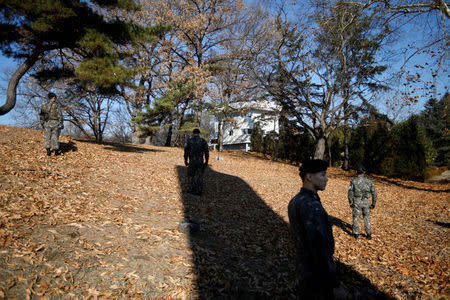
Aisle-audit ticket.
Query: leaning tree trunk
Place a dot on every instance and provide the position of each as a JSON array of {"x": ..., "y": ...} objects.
[
  {"x": 11, "y": 92},
  {"x": 320, "y": 148}
]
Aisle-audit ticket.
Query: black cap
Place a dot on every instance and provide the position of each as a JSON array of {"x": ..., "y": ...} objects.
[
  {"x": 360, "y": 170},
  {"x": 312, "y": 166},
  {"x": 51, "y": 95},
  {"x": 196, "y": 131}
]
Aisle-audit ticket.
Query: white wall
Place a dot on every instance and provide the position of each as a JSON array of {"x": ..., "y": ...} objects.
[{"x": 238, "y": 133}]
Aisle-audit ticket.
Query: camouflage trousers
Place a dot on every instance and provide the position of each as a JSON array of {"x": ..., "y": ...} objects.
[
  {"x": 51, "y": 134},
  {"x": 363, "y": 210},
  {"x": 195, "y": 176}
]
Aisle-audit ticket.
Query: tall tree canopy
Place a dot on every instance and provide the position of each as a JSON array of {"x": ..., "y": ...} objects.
[
  {"x": 72, "y": 38},
  {"x": 322, "y": 75},
  {"x": 190, "y": 53}
]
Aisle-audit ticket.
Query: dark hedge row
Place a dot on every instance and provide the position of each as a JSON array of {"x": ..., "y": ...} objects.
[{"x": 404, "y": 150}]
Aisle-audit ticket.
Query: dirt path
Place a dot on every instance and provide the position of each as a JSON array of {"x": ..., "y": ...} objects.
[{"x": 102, "y": 221}]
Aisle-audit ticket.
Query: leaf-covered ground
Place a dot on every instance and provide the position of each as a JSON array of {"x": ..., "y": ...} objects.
[{"x": 102, "y": 221}]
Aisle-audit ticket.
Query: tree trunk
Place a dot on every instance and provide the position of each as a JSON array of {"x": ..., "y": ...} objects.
[
  {"x": 11, "y": 92},
  {"x": 220, "y": 135},
  {"x": 275, "y": 149},
  {"x": 329, "y": 152},
  {"x": 135, "y": 133},
  {"x": 179, "y": 140},
  {"x": 346, "y": 154},
  {"x": 99, "y": 128},
  {"x": 169, "y": 136},
  {"x": 320, "y": 148}
]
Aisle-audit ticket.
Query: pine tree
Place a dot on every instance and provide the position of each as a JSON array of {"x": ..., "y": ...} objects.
[
  {"x": 71, "y": 39},
  {"x": 164, "y": 109},
  {"x": 256, "y": 138},
  {"x": 435, "y": 119}
]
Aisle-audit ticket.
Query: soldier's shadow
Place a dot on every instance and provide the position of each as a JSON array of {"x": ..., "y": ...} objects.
[
  {"x": 67, "y": 147},
  {"x": 346, "y": 227},
  {"x": 243, "y": 249}
]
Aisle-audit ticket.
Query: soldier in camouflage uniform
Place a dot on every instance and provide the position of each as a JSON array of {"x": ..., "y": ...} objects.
[
  {"x": 196, "y": 148},
  {"x": 313, "y": 237},
  {"x": 52, "y": 121},
  {"x": 358, "y": 197}
]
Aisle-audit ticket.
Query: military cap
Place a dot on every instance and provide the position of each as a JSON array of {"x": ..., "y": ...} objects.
[
  {"x": 196, "y": 131},
  {"x": 360, "y": 170},
  {"x": 312, "y": 166},
  {"x": 51, "y": 95}
]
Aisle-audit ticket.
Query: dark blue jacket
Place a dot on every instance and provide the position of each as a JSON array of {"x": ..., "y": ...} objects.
[{"x": 314, "y": 241}]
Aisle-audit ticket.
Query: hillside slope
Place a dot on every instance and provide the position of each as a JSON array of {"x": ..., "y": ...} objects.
[{"x": 102, "y": 221}]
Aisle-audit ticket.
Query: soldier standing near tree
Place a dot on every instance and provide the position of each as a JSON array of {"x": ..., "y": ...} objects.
[
  {"x": 52, "y": 122},
  {"x": 361, "y": 187},
  {"x": 196, "y": 148}
]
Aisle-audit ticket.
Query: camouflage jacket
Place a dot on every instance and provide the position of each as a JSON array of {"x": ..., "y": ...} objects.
[
  {"x": 195, "y": 148},
  {"x": 313, "y": 239},
  {"x": 360, "y": 190},
  {"x": 51, "y": 111}
]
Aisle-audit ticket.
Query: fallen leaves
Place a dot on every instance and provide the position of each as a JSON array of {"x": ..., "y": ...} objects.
[{"x": 98, "y": 223}]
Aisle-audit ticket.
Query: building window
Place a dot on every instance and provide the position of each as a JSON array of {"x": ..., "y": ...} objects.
[
  {"x": 231, "y": 132},
  {"x": 247, "y": 131},
  {"x": 249, "y": 120}
]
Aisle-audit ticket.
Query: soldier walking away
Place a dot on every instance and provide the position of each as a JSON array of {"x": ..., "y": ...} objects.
[
  {"x": 52, "y": 122},
  {"x": 313, "y": 237},
  {"x": 358, "y": 197},
  {"x": 196, "y": 149}
]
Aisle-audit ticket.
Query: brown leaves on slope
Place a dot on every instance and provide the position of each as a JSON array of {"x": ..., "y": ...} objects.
[{"x": 101, "y": 222}]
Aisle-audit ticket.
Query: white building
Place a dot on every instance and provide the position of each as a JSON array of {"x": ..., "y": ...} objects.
[{"x": 236, "y": 134}]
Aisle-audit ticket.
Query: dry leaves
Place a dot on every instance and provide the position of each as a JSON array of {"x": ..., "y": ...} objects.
[{"x": 101, "y": 222}]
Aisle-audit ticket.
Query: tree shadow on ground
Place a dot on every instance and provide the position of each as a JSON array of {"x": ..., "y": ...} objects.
[
  {"x": 67, "y": 147},
  {"x": 243, "y": 249},
  {"x": 411, "y": 187},
  {"x": 121, "y": 147},
  {"x": 442, "y": 224}
]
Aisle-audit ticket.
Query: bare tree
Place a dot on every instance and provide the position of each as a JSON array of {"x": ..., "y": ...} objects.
[
  {"x": 87, "y": 109},
  {"x": 320, "y": 74}
]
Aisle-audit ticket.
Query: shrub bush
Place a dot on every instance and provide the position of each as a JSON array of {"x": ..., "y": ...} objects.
[{"x": 404, "y": 151}]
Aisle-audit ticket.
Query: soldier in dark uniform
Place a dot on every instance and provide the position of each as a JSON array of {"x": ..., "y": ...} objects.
[
  {"x": 361, "y": 188},
  {"x": 52, "y": 121},
  {"x": 313, "y": 237},
  {"x": 196, "y": 148}
]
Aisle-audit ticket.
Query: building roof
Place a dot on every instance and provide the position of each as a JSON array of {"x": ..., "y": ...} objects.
[{"x": 268, "y": 106}]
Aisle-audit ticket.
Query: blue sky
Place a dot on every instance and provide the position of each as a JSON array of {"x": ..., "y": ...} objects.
[
  {"x": 5, "y": 64},
  {"x": 412, "y": 37}
]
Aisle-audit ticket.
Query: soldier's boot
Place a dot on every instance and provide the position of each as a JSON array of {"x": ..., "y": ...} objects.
[
  {"x": 369, "y": 236},
  {"x": 57, "y": 152},
  {"x": 49, "y": 152}
]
